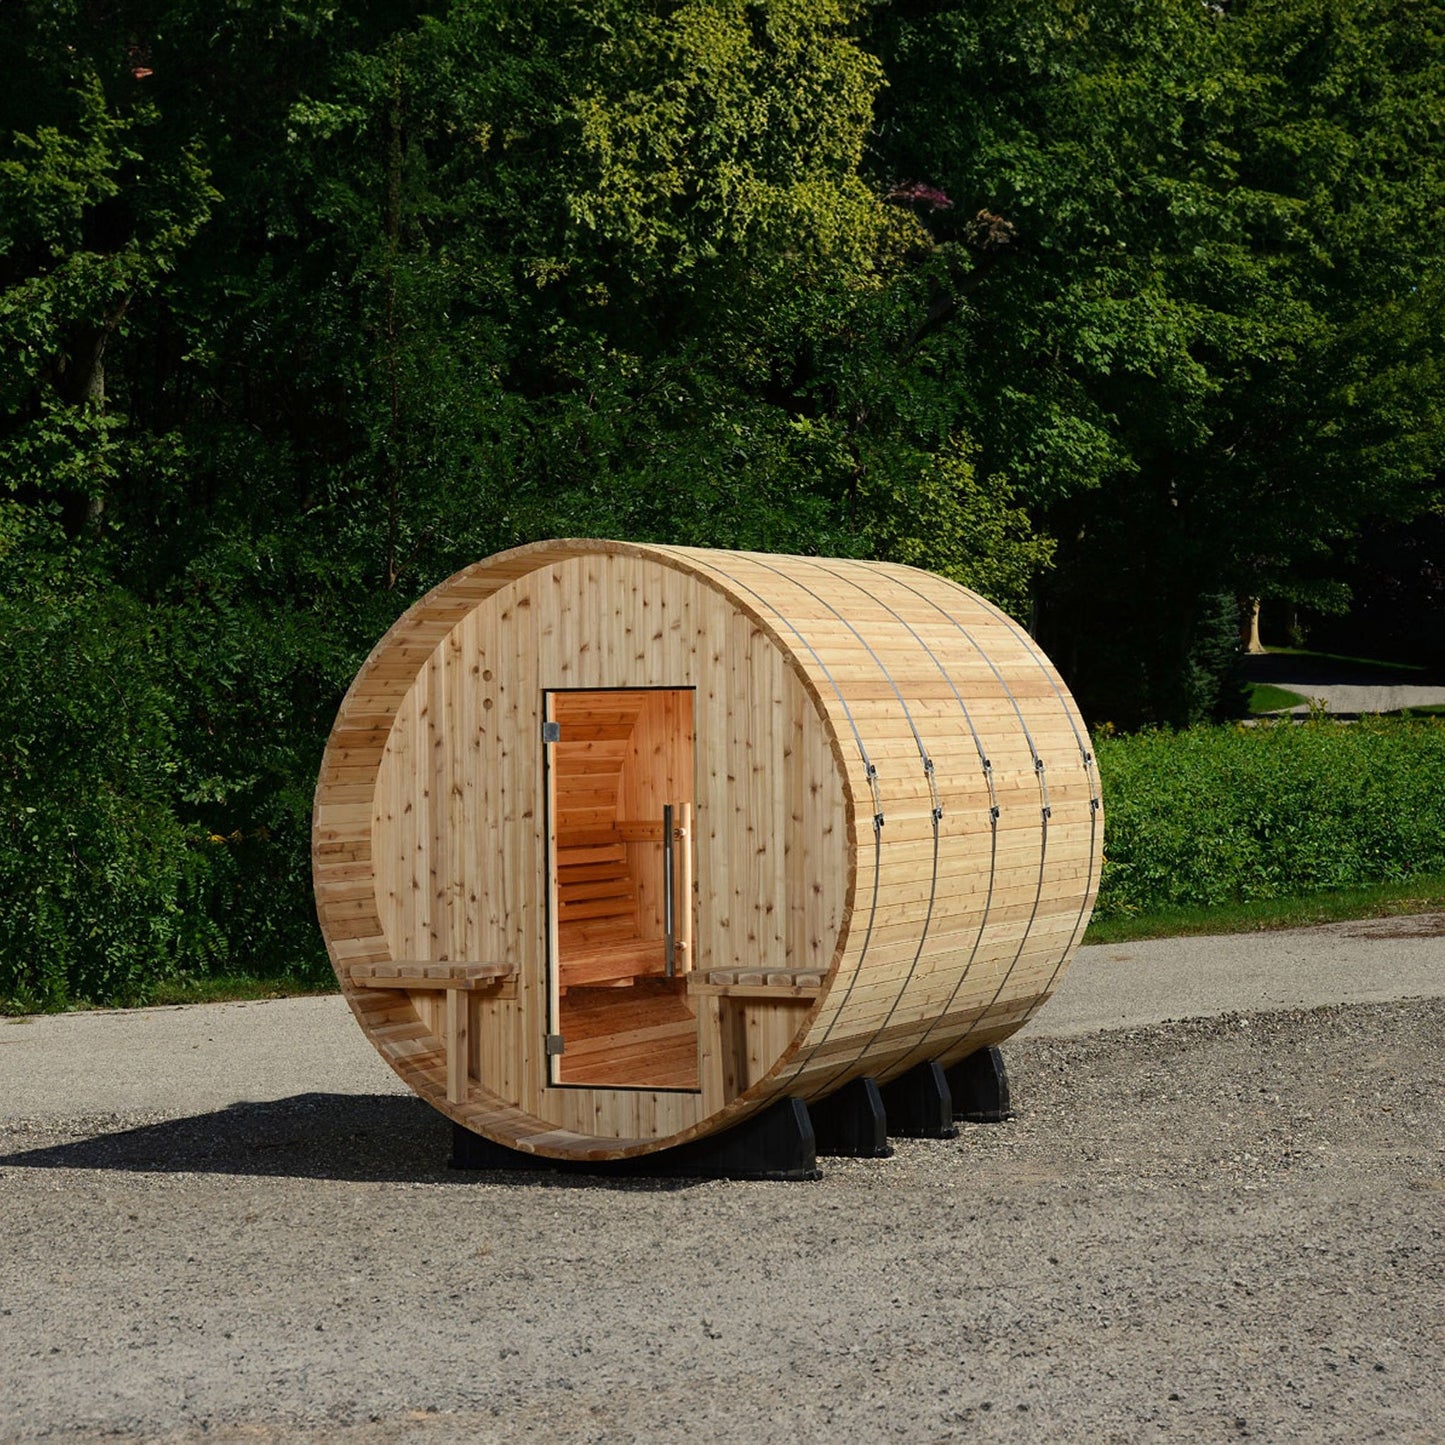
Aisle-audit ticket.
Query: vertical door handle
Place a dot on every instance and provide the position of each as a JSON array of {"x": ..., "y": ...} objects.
[{"x": 669, "y": 911}]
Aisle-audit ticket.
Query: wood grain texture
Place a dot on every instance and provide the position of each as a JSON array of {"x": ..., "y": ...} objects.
[{"x": 894, "y": 836}]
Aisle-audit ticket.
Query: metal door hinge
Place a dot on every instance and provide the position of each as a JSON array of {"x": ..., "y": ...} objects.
[
  {"x": 556, "y": 1044},
  {"x": 551, "y": 732}
]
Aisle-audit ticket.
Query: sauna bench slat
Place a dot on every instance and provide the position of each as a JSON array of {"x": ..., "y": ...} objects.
[
  {"x": 758, "y": 983},
  {"x": 419, "y": 975},
  {"x": 777, "y": 993},
  {"x": 607, "y": 962}
]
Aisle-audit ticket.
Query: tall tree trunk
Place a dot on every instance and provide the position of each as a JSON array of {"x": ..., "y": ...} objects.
[
  {"x": 81, "y": 382},
  {"x": 1249, "y": 626}
]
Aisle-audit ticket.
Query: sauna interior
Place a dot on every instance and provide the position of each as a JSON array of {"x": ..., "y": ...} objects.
[{"x": 620, "y": 767}]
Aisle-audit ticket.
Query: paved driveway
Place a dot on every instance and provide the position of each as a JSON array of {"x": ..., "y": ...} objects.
[{"x": 1345, "y": 689}]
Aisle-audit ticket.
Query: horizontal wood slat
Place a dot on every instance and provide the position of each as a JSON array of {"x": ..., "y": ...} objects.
[{"x": 428, "y": 975}]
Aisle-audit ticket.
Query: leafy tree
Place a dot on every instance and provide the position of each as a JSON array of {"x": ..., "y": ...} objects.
[
  {"x": 301, "y": 308},
  {"x": 1202, "y": 326},
  {"x": 310, "y": 307},
  {"x": 98, "y": 199}
]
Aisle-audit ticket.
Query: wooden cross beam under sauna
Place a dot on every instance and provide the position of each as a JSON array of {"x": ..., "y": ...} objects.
[{"x": 617, "y": 844}]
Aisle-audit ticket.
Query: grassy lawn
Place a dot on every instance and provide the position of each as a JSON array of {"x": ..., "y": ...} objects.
[
  {"x": 1383, "y": 900},
  {"x": 1265, "y": 697},
  {"x": 1340, "y": 657},
  {"x": 231, "y": 987}
]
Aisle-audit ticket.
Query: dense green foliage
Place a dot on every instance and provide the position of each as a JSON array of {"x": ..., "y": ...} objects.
[
  {"x": 1114, "y": 311},
  {"x": 1233, "y": 813},
  {"x": 1212, "y": 309}
]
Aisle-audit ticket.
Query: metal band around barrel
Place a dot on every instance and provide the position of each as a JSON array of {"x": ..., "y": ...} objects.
[
  {"x": 870, "y": 772},
  {"x": 759, "y": 561},
  {"x": 919, "y": 1049},
  {"x": 1091, "y": 779},
  {"x": 937, "y": 811}
]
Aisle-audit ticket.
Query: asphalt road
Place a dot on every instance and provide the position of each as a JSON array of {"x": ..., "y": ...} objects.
[{"x": 1220, "y": 1213}]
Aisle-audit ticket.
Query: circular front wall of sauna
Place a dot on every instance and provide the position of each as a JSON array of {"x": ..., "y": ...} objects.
[{"x": 615, "y": 844}]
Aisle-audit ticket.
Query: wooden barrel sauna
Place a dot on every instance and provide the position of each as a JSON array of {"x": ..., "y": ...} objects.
[{"x": 616, "y": 844}]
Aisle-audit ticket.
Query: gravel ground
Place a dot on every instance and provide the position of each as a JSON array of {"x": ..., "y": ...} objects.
[{"x": 1212, "y": 1229}]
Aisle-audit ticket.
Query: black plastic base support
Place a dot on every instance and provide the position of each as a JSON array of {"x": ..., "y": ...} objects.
[
  {"x": 852, "y": 1123},
  {"x": 776, "y": 1144},
  {"x": 919, "y": 1104},
  {"x": 979, "y": 1085}
]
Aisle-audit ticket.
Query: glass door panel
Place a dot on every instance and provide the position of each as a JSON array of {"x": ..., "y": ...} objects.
[{"x": 620, "y": 794}]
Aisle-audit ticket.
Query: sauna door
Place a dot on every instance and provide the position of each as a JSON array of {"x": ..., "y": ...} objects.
[{"x": 619, "y": 771}]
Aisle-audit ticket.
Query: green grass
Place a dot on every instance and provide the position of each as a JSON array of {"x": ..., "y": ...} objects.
[
  {"x": 1382, "y": 900},
  {"x": 229, "y": 988},
  {"x": 1218, "y": 829},
  {"x": 1340, "y": 657},
  {"x": 226, "y": 988},
  {"x": 167, "y": 993},
  {"x": 1266, "y": 697}
]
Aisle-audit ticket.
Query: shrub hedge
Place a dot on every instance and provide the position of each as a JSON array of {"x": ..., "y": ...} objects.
[
  {"x": 1233, "y": 813},
  {"x": 156, "y": 768}
]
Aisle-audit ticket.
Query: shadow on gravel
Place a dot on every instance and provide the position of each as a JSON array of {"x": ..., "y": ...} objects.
[{"x": 388, "y": 1138}]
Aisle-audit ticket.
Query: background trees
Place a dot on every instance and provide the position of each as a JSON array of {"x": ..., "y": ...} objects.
[
  {"x": 1206, "y": 338},
  {"x": 1116, "y": 311}
]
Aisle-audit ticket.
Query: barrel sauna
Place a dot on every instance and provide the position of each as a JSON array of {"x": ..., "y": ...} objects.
[{"x": 616, "y": 844}]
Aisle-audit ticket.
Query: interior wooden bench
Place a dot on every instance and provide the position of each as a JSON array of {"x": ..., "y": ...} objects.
[{"x": 598, "y": 933}]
